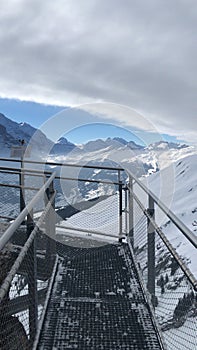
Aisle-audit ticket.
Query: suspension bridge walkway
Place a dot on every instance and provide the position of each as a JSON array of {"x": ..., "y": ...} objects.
[{"x": 92, "y": 274}]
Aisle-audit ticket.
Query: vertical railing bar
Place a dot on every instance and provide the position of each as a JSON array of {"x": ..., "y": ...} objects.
[
  {"x": 120, "y": 211},
  {"x": 50, "y": 227},
  {"x": 22, "y": 184},
  {"x": 151, "y": 250},
  {"x": 126, "y": 209},
  {"x": 131, "y": 212},
  {"x": 32, "y": 281},
  {"x": 119, "y": 176},
  {"x": 120, "y": 205}
]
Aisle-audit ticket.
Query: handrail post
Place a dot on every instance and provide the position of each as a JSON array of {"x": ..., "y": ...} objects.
[
  {"x": 126, "y": 209},
  {"x": 32, "y": 282},
  {"x": 120, "y": 206},
  {"x": 50, "y": 228},
  {"x": 120, "y": 211},
  {"x": 22, "y": 183},
  {"x": 151, "y": 250},
  {"x": 131, "y": 212}
]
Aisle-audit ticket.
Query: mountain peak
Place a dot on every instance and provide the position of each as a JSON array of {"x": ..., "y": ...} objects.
[
  {"x": 64, "y": 141},
  {"x": 62, "y": 146},
  {"x": 118, "y": 139}
]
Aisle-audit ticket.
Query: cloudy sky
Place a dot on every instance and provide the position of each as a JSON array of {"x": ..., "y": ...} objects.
[{"x": 138, "y": 53}]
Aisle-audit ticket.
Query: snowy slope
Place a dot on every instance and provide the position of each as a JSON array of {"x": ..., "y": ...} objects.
[
  {"x": 179, "y": 170},
  {"x": 180, "y": 198},
  {"x": 101, "y": 218}
]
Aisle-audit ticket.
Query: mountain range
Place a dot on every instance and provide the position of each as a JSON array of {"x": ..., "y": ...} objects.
[
  {"x": 141, "y": 160},
  {"x": 11, "y": 132},
  {"x": 111, "y": 151}
]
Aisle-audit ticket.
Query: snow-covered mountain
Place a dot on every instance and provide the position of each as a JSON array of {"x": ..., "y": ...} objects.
[
  {"x": 164, "y": 145},
  {"x": 112, "y": 151},
  {"x": 175, "y": 160},
  {"x": 110, "y": 143},
  {"x": 118, "y": 152},
  {"x": 11, "y": 132},
  {"x": 62, "y": 147}
]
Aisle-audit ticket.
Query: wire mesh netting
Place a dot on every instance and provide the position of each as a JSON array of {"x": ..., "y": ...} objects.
[
  {"x": 175, "y": 302},
  {"x": 22, "y": 298},
  {"x": 80, "y": 215},
  {"x": 27, "y": 262},
  {"x": 17, "y": 190},
  {"x": 9, "y": 196},
  {"x": 32, "y": 183}
]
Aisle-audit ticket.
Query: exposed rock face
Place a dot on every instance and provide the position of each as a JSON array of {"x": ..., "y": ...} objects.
[
  {"x": 5, "y": 138},
  {"x": 11, "y": 132},
  {"x": 63, "y": 146}
]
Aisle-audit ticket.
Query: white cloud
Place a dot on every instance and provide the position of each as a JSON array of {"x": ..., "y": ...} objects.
[
  {"x": 115, "y": 112},
  {"x": 138, "y": 53}
]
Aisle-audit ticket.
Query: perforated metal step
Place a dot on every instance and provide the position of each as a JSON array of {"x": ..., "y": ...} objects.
[{"x": 97, "y": 303}]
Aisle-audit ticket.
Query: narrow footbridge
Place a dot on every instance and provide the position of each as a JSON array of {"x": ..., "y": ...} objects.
[{"x": 83, "y": 272}]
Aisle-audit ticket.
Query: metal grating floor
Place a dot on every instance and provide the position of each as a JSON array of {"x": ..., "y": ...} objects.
[{"x": 97, "y": 303}]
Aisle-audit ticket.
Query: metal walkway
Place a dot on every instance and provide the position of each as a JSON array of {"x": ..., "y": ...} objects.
[
  {"x": 97, "y": 303},
  {"x": 97, "y": 274}
]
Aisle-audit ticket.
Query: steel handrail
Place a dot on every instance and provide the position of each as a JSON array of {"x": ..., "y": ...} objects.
[
  {"x": 39, "y": 173},
  {"x": 20, "y": 186},
  {"x": 17, "y": 222},
  {"x": 63, "y": 164},
  {"x": 31, "y": 172},
  {"x": 179, "y": 224},
  {"x": 17, "y": 171},
  {"x": 167, "y": 243}
]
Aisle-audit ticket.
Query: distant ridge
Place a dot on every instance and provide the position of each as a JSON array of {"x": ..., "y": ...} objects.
[
  {"x": 115, "y": 142},
  {"x": 162, "y": 145},
  {"x": 11, "y": 132}
]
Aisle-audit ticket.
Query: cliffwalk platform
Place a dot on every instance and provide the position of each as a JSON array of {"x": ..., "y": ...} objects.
[{"x": 92, "y": 273}]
